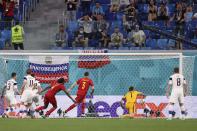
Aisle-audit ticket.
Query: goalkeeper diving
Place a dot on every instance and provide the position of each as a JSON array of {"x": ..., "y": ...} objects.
[{"x": 130, "y": 99}]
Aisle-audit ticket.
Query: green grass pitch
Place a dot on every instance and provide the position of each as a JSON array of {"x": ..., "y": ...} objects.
[{"x": 97, "y": 125}]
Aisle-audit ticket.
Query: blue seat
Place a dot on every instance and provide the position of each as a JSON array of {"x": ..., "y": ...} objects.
[
  {"x": 135, "y": 48},
  {"x": 89, "y": 48},
  {"x": 143, "y": 8},
  {"x": 194, "y": 41},
  {"x": 111, "y": 16},
  {"x": 147, "y": 33},
  {"x": 6, "y": 34},
  {"x": 68, "y": 48},
  {"x": 171, "y": 7},
  {"x": 2, "y": 43},
  {"x": 123, "y": 48},
  {"x": 145, "y": 48},
  {"x": 151, "y": 43},
  {"x": 72, "y": 26},
  {"x": 93, "y": 43},
  {"x": 105, "y": 8},
  {"x": 171, "y": 43},
  {"x": 162, "y": 43},
  {"x": 119, "y": 16},
  {"x": 160, "y": 24},
  {"x": 116, "y": 24},
  {"x": 77, "y": 48},
  {"x": 107, "y": 2}
]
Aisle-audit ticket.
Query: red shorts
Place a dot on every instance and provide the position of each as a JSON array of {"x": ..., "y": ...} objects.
[
  {"x": 50, "y": 99},
  {"x": 80, "y": 98}
]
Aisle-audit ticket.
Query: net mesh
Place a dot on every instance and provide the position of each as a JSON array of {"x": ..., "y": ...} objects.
[{"x": 111, "y": 74}]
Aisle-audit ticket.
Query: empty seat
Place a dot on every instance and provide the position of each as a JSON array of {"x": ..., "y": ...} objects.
[
  {"x": 162, "y": 43},
  {"x": 151, "y": 43},
  {"x": 123, "y": 48}
]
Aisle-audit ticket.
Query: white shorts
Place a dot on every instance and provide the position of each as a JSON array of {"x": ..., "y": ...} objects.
[
  {"x": 36, "y": 98},
  {"x": 27, "y": 97},
  {"x": 177, "y": 95},
  {"x": 11, "y": 99}
]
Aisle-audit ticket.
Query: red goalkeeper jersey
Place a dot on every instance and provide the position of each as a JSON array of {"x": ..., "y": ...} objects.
[
  {"x": 84, "y": 84},
  {"x": 55, "y": 89}
]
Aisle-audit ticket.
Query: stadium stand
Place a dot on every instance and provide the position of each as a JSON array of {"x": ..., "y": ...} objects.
[
  {"x": 176, "y": 18},
  {"x": 10, "y": 12}
]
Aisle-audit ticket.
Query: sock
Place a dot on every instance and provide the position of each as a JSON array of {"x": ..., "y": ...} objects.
[
  {"x": 31, "y": 110},
  {"x": 11, "y": 109},
  {"x": 83, "y": 107},
  {"x": 50, "y": 111},
  {"x": 70, "y": 108},
  {"x": 23, "y": 110},
  {"x": 39, "y": 108},
  {"x": 182, "y": 110},
  {"x": 171, "y": 111},
  {"x": 6, "y": 110}
]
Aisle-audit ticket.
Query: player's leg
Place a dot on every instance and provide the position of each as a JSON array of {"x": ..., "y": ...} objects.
[
  {"x": 36, "y": 100},
  {"x": 173, "y": 99},
  {"x": 182, "y": 107},
  {"x": 83, "y": 105},
  {"x": 7, "y": 109},
  {"x": 24, "y": 103},
  {"x": 78, "y": 100},
  {"x": 46, "y": 103},
  {"x": 171, "y": 110},
  {"x": 54, "y": 104},
  {"x": 131, "y": 109}
]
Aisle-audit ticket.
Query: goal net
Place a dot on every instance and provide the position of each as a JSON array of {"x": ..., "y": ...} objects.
[{"x": 112, "y": 74}]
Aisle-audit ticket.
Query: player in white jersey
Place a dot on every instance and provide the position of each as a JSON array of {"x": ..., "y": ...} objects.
[
  {"x": 27, "y": 93},
  {"x": 27, "y": 88},
  {"x": 10, "y": 89},
  {"x": 179, "y": 90},
  {"x": 36, "y": 90}
]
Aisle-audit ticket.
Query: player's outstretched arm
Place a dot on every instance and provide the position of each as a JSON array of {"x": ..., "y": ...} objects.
[
  {"x": 72, "y": 86},
  {"x": 3, "y": 91},
  {"x": 18, "y": 92},
  {"x": 47, "y": 88},
  {"x": 23, "y": 86},
  {"x": 66, "y": 92}
]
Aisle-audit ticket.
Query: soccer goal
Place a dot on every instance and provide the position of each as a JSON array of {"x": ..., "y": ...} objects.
[{"x": 112, "y": 74}]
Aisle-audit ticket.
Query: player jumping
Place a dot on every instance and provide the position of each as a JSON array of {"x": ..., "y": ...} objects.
[
  {"x": 179, "y": 90},
  {"x": 83, "y": 86},
  {"x": 9, "y": 89},
  {"x": 50, "y": 96},
  {"x": 130, "y": 97}
]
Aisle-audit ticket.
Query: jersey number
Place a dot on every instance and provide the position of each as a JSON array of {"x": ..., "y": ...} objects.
[
  {"x": 83, "y": 85},
  {"x": 178, "y": 81},
  {"x": 8, "y": 86},
  {"x": 31, "y": 83}
]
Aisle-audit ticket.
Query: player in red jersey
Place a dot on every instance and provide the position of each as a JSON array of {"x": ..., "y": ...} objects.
[
  {"x": 50, "y": 96},
  {"x": 83, "y": 86}
]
